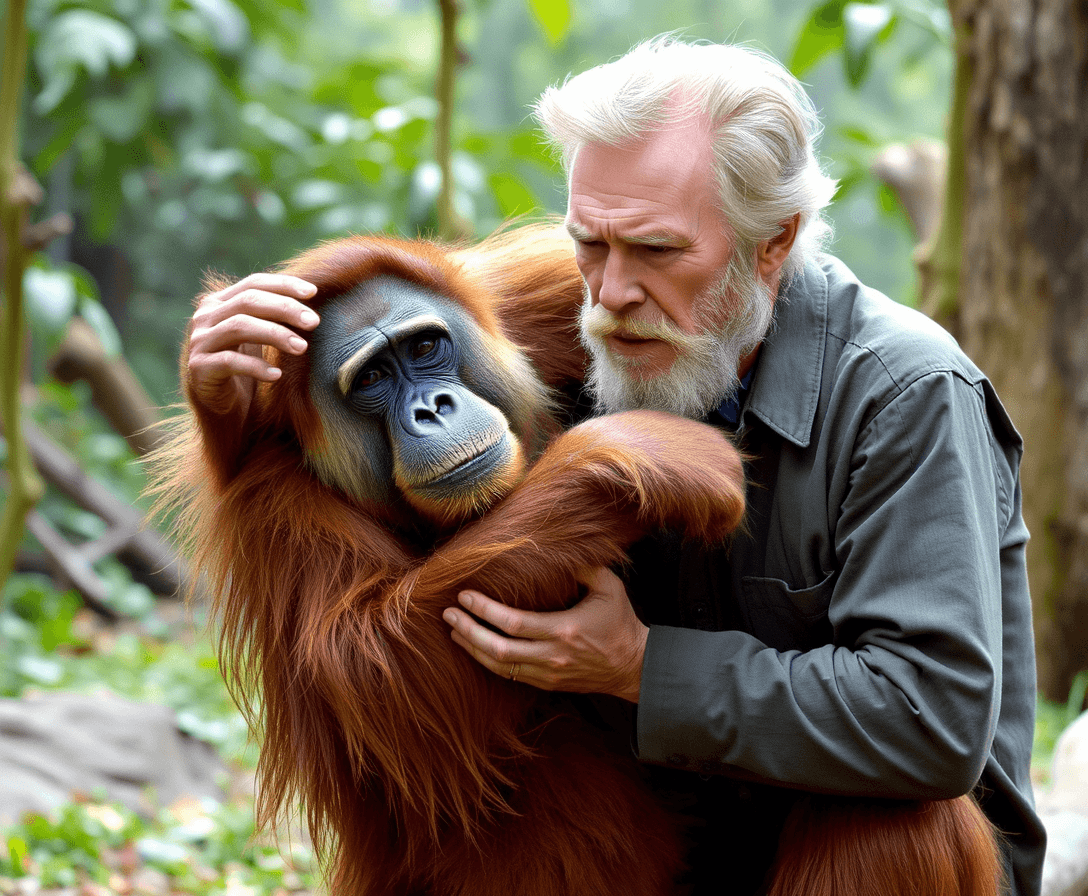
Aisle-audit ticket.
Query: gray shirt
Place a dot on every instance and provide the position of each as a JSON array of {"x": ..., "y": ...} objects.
[{"x": 878, "y": 624}]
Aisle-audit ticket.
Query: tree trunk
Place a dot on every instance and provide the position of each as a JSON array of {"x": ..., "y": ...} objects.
[{"x": 1021, "y": 308}]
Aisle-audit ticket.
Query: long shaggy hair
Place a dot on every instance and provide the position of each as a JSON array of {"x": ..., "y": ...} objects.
[
  {"x": 763, "y": 126},
  {"x": 418, "y": 771}
]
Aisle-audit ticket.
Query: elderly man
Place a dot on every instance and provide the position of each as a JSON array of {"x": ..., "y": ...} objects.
[{"x": 869, "y": 632}]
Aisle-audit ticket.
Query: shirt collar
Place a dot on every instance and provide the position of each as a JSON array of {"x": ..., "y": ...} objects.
[
  {"x": 729, "y": 409},
  {"x": 785, "y": 391}
]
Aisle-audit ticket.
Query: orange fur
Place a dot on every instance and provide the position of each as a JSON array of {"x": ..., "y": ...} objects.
[
  {"x": 887, "y": 847},
  {"x": 419, "y": 771}
]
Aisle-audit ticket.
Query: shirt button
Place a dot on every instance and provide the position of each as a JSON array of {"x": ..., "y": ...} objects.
[
  {"x": 678, "y": 759},
  {"x": 701, "y": 612}
]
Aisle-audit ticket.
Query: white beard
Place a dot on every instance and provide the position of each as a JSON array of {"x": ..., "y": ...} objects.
[{"x": 704, "y": 373}]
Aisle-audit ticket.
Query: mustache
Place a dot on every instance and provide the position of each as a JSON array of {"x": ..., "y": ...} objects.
[{"x": 600, "y": 323}]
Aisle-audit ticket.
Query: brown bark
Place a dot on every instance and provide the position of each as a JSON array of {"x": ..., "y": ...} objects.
[
  {"x": 451, "y": 226},
  {"x": 115, "y": 390},
  {"x": 1022, "y": 310},
  {"x": 18, "y": 191},
  {"x": 128, "y": 536}
]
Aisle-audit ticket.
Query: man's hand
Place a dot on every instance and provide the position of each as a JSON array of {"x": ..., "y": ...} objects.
[
  {"x": 229, "y": 331},
  {"x": 594, "y": 647}
]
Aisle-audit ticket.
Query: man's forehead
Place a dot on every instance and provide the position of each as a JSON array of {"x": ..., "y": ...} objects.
[
  {"x": 673, "y": 168},
  {"x": 647, "y": 233}
]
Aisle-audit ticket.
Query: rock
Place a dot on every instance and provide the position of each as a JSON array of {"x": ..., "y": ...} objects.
[
  {"x": 1064, "y": 811},
  {"x": 1069, "y": 769},
  {"x": 57, "y": 745},
  {"x": 1065, "y": 870}
]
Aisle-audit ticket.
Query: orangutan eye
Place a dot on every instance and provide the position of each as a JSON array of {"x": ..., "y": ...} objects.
[
  {"x": 423, "y": 347},
  {"x": 369, "y": 377}
]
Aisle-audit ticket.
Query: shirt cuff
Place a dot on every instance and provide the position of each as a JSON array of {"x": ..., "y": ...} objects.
[{"x": 671, "y": 724}]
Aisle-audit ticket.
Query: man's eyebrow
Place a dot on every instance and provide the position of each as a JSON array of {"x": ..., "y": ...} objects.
[
  {"x": 654, "y": 238},
  {"x": 578, "y": 233},
  {"x": 659, "y": 238}
]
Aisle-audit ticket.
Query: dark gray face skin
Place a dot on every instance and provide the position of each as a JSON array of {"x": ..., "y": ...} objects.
[{"x": 408, "y": 401}]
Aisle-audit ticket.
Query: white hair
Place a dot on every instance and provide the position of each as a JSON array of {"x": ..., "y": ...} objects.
[
  {"x": 733, "y": 316},
  {"x": 764, "y": 129}
]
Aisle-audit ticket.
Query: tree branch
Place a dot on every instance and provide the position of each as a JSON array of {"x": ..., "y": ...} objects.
[
  {"x": 143, "y": 550},
  {"x": 451, "y": 226},
  {"x": 17, "y": 192},
  {"x": 939, "y": 260},
  {"x": 115, "y": 390}
]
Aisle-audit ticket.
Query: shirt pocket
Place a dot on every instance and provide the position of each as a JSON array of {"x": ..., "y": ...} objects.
[{"x": 788, "y": 618}]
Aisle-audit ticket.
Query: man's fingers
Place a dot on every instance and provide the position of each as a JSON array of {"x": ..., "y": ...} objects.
[
  {"x": 602, "y": 582},
  {"x": 498, "y": 667},
  {"x": 527, "y": 669},
  {"x": 485, "y": 643},
  {"x": 515, "y": 623}
]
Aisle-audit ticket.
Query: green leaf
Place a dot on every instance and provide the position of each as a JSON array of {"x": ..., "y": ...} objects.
[
  {"x": 820, "y": 35},
  {"x": 50, "y": 299},
  {"x": 275, "y": 127},
  {"x": 183, "y": 81},
  {"x": 513, "y": 197},
  {"x": 855, "y": 133},
  {"x": 57, "y": 84},
  {"x": 848, "y": 183},
  {"x": 215, "y": 165},
  {"x": 79, "y": 39},
  {"x": 19, "y": 854},
  {"x": 39, "y": 669},
  {"x": 864, "y": 26},
  {"x": 928, "y": 15},
  {"x": 101, "y": 322},
  {"x": 317, "y": 193},
  {"x": 226, "y": 23},
  {"x": 121, "y": 118},
  {"x": 56, "y": 628},
  {"x": 161, "y": 853},
  {"x": 63, "y": 396},
  {"x": 553, "y": 17}
]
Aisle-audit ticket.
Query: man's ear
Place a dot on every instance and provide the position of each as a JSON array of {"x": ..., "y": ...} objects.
[{"x": 771, "y": 254}]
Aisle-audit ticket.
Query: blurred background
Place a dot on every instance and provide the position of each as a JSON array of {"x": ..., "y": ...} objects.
[
  {"x": 166, "y": 139},
  {"x": 184, "y": 137}
]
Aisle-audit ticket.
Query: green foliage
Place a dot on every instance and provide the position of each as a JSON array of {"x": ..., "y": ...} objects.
[
  {"x": 227, "y": 136},
  {"x": 35, "y": 624},
  {"x": 554, "y": 18},
  {"x": 65, "y": 413},
  {"x": 888, "y": 66},
  {"x": 1051, "y": 719},
  {"x": 51, "y": 643},
  {"x": 857, "y": 29},
  {"x": 192, "y": 847},
  {"x": 54, "y": 294}
]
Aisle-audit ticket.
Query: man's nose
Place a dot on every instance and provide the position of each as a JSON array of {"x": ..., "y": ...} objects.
[{"x": 620, "y": 288}]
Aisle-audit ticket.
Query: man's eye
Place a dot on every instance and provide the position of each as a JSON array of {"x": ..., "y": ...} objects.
[{"x": 423, "y": 347}]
